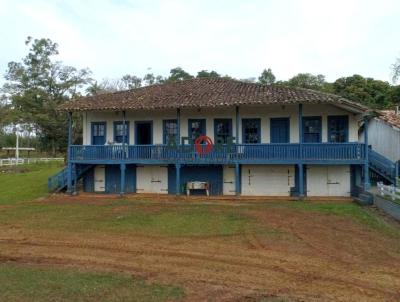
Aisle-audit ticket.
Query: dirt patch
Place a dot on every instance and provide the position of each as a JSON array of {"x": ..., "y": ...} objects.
[{"x": 319, "y": 257}]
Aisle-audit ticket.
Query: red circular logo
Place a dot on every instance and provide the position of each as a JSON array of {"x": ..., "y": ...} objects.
[{"x": 203, "y": 144}]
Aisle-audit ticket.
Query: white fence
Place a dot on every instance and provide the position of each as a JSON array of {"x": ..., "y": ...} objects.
[
  {"x": 21, "y": 161},
  {"x": 391, "y": 191}
]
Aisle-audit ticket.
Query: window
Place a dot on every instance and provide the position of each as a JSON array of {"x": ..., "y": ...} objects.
[
  {"x": 98, "y": 133},
  {"x": 312, "y": 129},
  {"x": 251, "y": 131},
  {"x": 119, "y": 132},
  {"x": 222, "y": 130},
  {"x": 170, "y": 131},
  {"x": 279, "y": 130},
  {"x": 338, "y": 129},
  {"x": 197, "y": 127}
]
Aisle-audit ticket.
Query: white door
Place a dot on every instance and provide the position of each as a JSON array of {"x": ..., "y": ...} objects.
[
  {"x": 317, "y": 184},
  {"x": 339, "y": 181},
  {"x": 271, "y": 180},
  {"x": 229, "y": 186},
  {"x": 152, "y": 179},
  {"x": 99, "y": 178},
  {"x": 159, "y": 180},
  {"x": 328, "y": 181}
]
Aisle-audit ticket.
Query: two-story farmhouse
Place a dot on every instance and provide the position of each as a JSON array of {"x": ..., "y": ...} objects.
[{"x": 238, "y": 138}]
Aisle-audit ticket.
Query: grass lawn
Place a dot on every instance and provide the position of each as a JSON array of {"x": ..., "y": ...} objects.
[
  {"x": 187, "y": 247},
  {"x": 37, "y": 283},
  {"x": 25, "y": 182}
]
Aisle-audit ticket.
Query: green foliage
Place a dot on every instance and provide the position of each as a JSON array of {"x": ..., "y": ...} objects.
[
  {"x": 308, "y": 81},
  {"x": 368, "y": 91},
  {"x": 208, "y": 74},
  {"x": 34, "y": 283},
  {"x": 267, "y": 77},
  {"x": 178, "y": 74}
]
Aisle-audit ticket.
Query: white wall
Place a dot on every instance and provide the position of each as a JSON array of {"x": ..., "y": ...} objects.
[
  {"x": 384, "y": 139},
  {"x": 265, "y": 113}
]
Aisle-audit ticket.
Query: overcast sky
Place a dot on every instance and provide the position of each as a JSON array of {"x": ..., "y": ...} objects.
[{"x": 238, "y": 38}]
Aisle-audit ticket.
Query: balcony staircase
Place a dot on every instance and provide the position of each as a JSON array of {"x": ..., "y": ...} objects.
[
  {"x": 59, "y": 181},
  {"x": 382, "y": 166}
]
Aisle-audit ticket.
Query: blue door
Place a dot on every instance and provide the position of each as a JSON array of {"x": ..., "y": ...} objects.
[
  {"x": 312, "y": 129},
  {"x": 98, "y": 133},
  {"x": 279, "y": 130}
]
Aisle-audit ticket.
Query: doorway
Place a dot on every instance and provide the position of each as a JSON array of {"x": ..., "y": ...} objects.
[{"x": 144, "y": 133}]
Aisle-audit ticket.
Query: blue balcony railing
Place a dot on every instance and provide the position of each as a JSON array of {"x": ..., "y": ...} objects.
[{"x": 242, "y": 153}]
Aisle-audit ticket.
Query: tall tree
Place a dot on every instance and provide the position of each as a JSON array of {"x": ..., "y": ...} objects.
[
  {"x": 396, "y": 70},
  {"x": 308, "y": 81},
  {"x": 37, "y": 85},
  {"x": 208, "y": 74},
  {"x": 267, "y": 77},
  {"x": 178, "y": 74},
  {"x": 371, "y": 92}
]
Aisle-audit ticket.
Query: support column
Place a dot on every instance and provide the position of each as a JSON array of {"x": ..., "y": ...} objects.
[
  {"x": 124, "y": 136},
  {"x": 237, "y": 125},
  {"x": 301, "y": 140},
  {"x": 122, "y": 168},
  {"x": 396, "y": 174},
  {"x": 367, "y": 183},
  {"x": 301, "y": 180},
  {"x": 69, "y": 165},
  {"x": 178, "y": 179},
  {"x": 75, "y": 178},
  {"x": 237, "y": 179}
]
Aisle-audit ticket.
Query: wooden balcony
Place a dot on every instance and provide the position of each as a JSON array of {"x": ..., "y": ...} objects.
[{"x": 316, "y": 153}]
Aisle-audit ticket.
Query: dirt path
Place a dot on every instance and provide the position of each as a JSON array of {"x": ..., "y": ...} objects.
[{"x": 316, "y": 258}]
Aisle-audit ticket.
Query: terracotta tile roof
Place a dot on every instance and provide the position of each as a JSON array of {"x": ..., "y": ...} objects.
[
  {"x": 202, "y": 92},
  {"x": 390, "y": 117}
]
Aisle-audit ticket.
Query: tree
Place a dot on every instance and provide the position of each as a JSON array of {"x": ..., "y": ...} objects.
[
  {"x": 396, "y": 70},
  {"x": 267, "y": 77},
  {"x": 308, "y": 81},
  {"x": 178, "y": 74},
  {"x": 371, "y": 92},
  {"x": 208, "y": 74},
  {"x": 37, "y": 85}
]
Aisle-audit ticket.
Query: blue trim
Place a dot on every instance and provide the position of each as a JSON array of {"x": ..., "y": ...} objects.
[
  {"x": 222, "y": 120},
  {"x": 203, "y": 126},
  {"x": 136, "y": 130},
  {"x": 258, "y": 127},
  {"x": 279, "y": 130},
  {"x": 105, "y": 132},
  {"x": 69, "y": 167},
  {"x": 344, "y": 119},
  {"x": 237, "y": 122},
  {"x": 127, "y": 132},
  {"x": 210, "y": 173},
  {"x": 367, "y": 183},
  {"x": 165, "y": 130},
  {"x": 308, "y": 139}
]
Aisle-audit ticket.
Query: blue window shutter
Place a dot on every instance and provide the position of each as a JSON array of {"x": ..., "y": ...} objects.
[
  {"x": 312, "y": 129},
  {"x": 279, "y": 129},
  {"x": 338, "y": 129}
]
